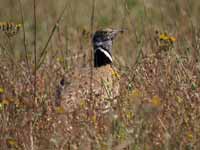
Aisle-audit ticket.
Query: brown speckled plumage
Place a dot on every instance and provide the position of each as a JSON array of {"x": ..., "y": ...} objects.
[{"x": 105, "y": 85}]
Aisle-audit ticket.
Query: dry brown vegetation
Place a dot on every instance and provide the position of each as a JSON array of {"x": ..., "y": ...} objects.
[{"x": 158, "y": 58}]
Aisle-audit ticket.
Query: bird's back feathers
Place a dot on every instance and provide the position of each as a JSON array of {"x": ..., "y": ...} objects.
[{"x": 77, "y": 86}]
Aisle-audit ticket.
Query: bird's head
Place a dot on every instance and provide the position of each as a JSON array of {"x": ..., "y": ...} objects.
[{"x": 102, "y": 43}]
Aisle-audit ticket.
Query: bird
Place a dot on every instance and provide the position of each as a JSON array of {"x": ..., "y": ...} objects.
[{"x": 102, "y": 83}]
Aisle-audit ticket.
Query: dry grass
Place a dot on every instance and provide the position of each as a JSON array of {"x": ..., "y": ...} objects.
[{"x": 157, "y": 58}]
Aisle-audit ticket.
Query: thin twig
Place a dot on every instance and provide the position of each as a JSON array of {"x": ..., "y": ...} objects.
[
  {"x": 137, "y": 39},
  {"x": 91, "y": 51},
  {"x": 35, "y": 73},
  {"x": 192, "y": 26},
  {"x": 31, "y": 134},
  {"x": 35, "y": 50},
  {"x": 24, "y": 35},
  {"x": 44, "y": 50}
]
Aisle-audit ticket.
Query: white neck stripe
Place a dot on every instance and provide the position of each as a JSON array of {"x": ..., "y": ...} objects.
[{"x": 106, "y": 53}]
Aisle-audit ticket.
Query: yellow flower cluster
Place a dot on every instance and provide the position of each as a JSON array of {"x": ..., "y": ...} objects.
[
  {"x": 6, "y": 101},
  {"x": 9, "y": 28},
  {"x": 164, "y": 41},
  {"x": 167, "y": 38}
]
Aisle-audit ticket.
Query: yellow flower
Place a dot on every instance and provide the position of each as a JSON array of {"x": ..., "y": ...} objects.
[
  {"x": 190, "y": 136},
  {"x": 115, "y": 74},
  {"x": 12, "y": 143},
  {"x": 2, "y": 26},
  {"x": 1, "y": 90},
  {"x": 172, "y": 39},
  {"x": 164, "y": 37},
  {"x": 18, "y": 26},
  {"x": 156, "y": 101}
]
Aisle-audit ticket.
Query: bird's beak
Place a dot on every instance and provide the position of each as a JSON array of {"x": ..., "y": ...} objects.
[{"x": 115, "y": 32}]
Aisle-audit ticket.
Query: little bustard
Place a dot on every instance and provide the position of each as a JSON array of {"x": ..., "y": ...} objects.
[{"x": 76, "y": 86}]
